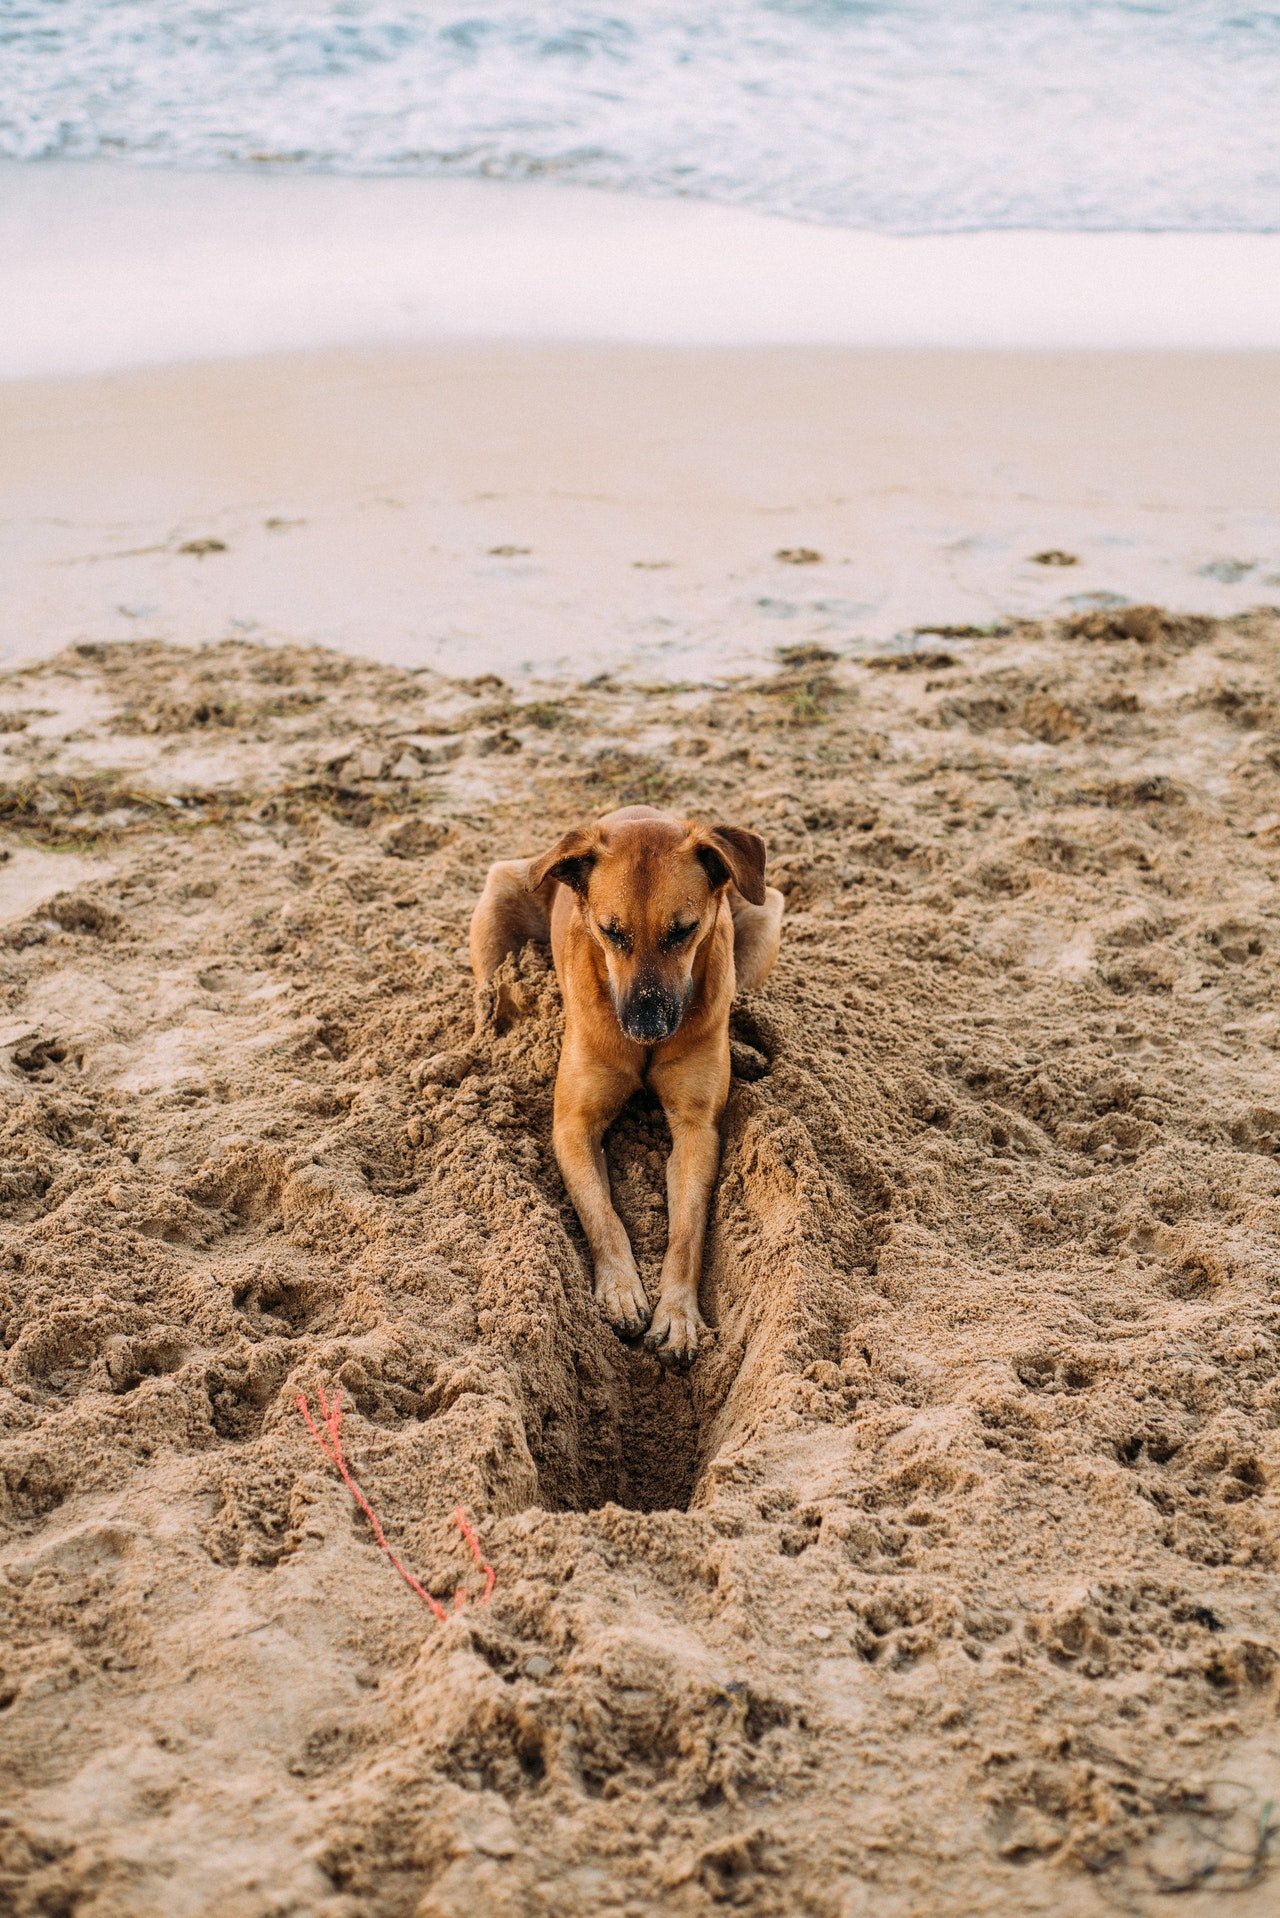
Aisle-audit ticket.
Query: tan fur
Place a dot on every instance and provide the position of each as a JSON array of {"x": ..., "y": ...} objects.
[{"x": 643, "y": 875}]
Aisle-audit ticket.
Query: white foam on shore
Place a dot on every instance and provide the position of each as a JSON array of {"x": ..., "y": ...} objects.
[{"x": 109, "y": 266}]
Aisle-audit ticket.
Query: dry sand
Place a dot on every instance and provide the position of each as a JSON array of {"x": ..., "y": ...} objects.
[
  {"x": 492, "y": 507},
  {"x": 944, "y": 1584}
]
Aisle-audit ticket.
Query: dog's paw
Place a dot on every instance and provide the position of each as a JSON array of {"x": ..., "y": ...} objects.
[
  {"x": 673, "y": 1335},
  {"x": 621, "y": 1298}
]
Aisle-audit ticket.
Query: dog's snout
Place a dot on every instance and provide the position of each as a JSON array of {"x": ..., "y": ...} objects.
[{"x": 650, "y": 1012}]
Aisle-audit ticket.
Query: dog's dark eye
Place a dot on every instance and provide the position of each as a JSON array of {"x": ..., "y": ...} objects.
[
  {"x": 680, "y": 935},
  {"x": 616, "y": 937}
]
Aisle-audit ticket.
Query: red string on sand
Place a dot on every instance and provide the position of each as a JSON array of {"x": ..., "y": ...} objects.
[
  {"x": 482, "y": 1563},
  {"x": 327, "y": 1437}
]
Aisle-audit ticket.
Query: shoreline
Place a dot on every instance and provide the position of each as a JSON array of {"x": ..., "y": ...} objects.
[
  {"x": 114, "y": 265},
  {"x": 571, "y": 508}
]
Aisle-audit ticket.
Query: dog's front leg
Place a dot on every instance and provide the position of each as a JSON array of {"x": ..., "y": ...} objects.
[
  {"x": 588, "y": 1097},
  {"x": 693, "y": 1094}
]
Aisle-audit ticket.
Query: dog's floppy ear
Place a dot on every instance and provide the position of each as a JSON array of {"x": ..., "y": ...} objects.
[
  {"x": 570, "y": 860},
  {"x": 732, "y": 852}
]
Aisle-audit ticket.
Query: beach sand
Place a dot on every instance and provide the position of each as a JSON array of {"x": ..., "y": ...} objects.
[
  {"x": 566, "y": 506},
  {"x": 945, "y": 1583}
]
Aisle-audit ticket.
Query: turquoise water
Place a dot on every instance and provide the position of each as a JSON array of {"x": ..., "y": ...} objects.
[{"x": 907, "y": 116}]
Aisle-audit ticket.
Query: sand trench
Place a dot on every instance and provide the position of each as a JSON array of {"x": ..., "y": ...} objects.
[{"x": 943, "y": 1583}]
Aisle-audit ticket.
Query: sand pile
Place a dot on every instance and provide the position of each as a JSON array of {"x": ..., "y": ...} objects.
[{"x": 944, "y": 1583}]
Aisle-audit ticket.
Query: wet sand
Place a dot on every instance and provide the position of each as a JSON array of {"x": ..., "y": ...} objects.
[{"x": 499, "y": 507}]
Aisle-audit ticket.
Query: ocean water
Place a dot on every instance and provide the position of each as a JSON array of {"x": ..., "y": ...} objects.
[{"x": 907, "y": 116}]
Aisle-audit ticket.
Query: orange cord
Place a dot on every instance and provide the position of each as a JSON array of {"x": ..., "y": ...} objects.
[{"x": 330, "y": 1443}]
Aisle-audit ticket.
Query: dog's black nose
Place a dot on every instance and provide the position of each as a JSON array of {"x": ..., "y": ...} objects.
[{"x": 649, "y": 1014}]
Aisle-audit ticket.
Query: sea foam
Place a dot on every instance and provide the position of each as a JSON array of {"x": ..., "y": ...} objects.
[{"x": 894, "y": 115}]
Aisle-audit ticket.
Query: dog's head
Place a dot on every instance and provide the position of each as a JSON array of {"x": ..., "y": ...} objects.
[{"x": 649, "y": 888}]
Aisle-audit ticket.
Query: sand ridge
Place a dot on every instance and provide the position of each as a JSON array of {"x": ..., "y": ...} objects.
[{"x": 944, "y": 1582}]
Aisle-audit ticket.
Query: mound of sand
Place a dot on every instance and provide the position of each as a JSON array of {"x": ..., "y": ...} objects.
[{"x": 944, "y": 1583}]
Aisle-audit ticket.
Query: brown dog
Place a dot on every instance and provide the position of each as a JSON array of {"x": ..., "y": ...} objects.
[{"x": 654, "y": 922}]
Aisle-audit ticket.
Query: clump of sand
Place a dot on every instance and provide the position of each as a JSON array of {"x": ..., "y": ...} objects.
[{"x": 945, "y": 1582}]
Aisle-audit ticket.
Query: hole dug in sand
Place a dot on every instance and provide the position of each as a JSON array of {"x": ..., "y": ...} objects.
[
  {"x": 610, "y": 1424},
  {"x": 634, "y": 1441},
  {"x": 604, "y": 1422},
  {"x": 633, "y": 1434}
]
